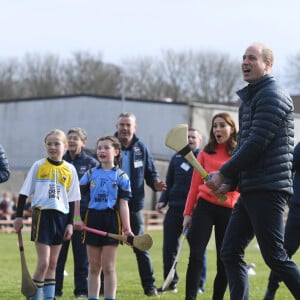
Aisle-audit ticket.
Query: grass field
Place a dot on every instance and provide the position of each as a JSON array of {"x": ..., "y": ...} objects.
[{"x": 129, "y": 287}]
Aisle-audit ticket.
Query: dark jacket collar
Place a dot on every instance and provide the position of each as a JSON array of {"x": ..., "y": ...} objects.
[
  {"x": 68, "y": 157},
  {"x": 133, "y": 141},
  {"x": 251, "y": 89}
]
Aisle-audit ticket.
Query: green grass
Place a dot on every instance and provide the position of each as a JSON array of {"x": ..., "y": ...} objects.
[{"x": 129, "y": 287}]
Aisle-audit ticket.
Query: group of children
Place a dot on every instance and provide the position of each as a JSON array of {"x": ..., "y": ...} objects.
[{"x": 54, "y": 187}]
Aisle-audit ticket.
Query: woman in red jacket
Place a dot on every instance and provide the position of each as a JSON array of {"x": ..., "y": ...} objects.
[{"x": 203, "y": 210}]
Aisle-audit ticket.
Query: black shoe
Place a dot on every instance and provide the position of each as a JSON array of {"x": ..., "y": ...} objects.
[
  {"x": 152, "y": 292},
  {"x": 270, "y": 295},
  {"x": 58, "y": 294},
  {"x": 169, "y": 289},
  {"x": 101, "y": 292}
]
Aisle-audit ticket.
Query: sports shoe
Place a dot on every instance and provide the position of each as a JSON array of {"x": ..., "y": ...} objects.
[
  {"x": 169, "y": 289},
  {"x": 152, "y": 292},
  {"x": 270, "y": 295},
  {"x": 200, "y": 291},
  {"x": 101, "y": 292},
  {"x": 81, "y": 296}
]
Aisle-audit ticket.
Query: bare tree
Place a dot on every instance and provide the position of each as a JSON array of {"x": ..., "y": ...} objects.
[
  {"x": 213, "y": 78},
  {"x": 142, "y": 78},
  {"x": 40, "y": 76},
  {"x": 174, "y": 67},
  {"x": 183, "y": 76},
  {"x": 86, "y": 73},
  {"x": 8, "y": 79}
]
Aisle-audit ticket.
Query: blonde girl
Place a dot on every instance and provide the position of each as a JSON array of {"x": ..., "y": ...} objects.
[{"x": 54, "y": 187}]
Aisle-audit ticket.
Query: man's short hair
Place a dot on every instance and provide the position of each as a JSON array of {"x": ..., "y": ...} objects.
[{"x": 127, "y": 115}]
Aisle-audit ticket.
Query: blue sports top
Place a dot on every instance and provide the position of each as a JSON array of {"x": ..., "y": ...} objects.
[{"x": 106, "y": 186}]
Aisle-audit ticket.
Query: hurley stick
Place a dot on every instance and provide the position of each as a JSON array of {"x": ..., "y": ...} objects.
[
  {"x": 142, "y": 242},
  {"x": 177, "y": 139},
  {"x": 28, "y": 288},
  {"x": 172, "y": 271}
]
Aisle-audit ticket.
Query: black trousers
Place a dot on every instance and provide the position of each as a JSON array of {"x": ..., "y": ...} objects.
[
  {"x": 172, "y": 232},
  {"x": 206, "y": 216},
  {"x": 291, "y": 242},
  {"x": 81, "y": 265},
  {"x": 143, "y": 258},
  {"x": 260, "y": 214}
]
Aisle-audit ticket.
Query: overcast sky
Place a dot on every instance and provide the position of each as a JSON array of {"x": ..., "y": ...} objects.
[{"x": 122, "y": 29}]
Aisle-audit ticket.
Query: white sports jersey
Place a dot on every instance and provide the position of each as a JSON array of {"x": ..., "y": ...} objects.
[{"x": 52, "y": 186}]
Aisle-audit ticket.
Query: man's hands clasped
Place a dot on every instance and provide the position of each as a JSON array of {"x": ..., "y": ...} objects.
[{"x": 217, "y": 186}]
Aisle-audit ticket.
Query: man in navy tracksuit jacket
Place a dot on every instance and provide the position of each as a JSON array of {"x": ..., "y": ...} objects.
[{"x": 138, "y": 163}]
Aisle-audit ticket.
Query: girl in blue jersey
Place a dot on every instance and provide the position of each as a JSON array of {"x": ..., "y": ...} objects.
[
  {"x": 53, "y": 185},
  {"x": 108, "y": 211}
]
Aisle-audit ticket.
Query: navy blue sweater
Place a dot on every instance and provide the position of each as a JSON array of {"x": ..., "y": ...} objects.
[
  {"x": 178, "y": 182},
  {"x": 4, "y": 166},
  {"x": 141, "y": 169},
  {"x": 82, "y": 163}
]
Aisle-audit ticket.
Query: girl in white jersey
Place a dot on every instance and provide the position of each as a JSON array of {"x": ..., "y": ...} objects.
[
  {"x": 108, "y": 210},
  {"x": 53, "y": 185}
]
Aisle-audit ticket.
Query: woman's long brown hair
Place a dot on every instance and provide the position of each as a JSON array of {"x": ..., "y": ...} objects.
[{"x": 232, "y": 141}]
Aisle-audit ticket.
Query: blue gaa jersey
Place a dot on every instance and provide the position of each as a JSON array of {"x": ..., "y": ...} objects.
[
  {"x": 52, "y": 186},
  {"x": 106, "y": 186}
]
